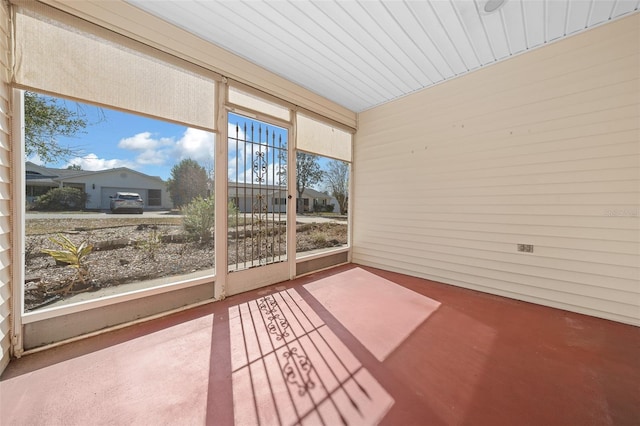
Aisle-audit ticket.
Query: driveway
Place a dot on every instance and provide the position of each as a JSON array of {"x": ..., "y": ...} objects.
[
  {"x": 318, "y": 219},
  {"x": 96, "y": 215}
]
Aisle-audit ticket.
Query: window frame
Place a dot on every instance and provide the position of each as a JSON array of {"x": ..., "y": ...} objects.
[{"x": 19, "y": 229}]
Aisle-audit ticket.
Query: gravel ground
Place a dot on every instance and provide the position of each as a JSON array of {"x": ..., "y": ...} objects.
[{"x": 125, "y": 254}]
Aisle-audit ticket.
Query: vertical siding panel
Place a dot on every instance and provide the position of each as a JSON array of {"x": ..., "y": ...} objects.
[
  {"x": 541, "y": 149},
  {"x": 5, "y": 190}
]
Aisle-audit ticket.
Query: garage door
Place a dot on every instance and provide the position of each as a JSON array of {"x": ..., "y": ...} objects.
[{"x": 109, "y": 191}]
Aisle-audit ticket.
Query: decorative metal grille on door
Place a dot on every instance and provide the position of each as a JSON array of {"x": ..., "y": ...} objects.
[{"x": 257, "y": 191}]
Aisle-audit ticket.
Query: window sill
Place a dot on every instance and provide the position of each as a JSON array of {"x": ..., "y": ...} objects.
[{"x": 71, "y": 307}]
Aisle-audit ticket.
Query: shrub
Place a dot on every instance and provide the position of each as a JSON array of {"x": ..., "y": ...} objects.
[
  {"x": 199, "y": 217},
  {"x": 59, "y": 199},
  {"x": 319, "y": 239},
  {"x": 327, "y": 209},
  {"x": 232, "y": 210}
]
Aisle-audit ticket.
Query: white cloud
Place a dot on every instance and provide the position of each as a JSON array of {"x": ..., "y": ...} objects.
[
  {"x": 153, "y": 157},
  {"x": 144, "y": 142},
  {"x": 92, "y": 162},
  {"x": 152, "y": 150},
  {"x": 197, "y": 145},
  {"x": 35, "y": 159}
]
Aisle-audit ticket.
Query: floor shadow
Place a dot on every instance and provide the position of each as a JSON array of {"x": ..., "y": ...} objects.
[{"x": 275, "y": 361}]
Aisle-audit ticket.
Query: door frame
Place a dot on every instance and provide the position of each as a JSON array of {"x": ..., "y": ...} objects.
[{"x": 230, "y": 283}]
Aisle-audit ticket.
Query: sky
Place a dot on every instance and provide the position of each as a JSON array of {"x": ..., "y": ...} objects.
[{"x": 117, "y": 139}]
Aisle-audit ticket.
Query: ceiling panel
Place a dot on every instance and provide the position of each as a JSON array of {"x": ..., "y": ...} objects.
[
  {"x": 624, "y": 6},
  {"x": 425, "y": 49},
  {"x": 475, "y": 32},
  {"x": 578, "y": 16},
  {"x": 601, "y": 11},
  {"x": 513, "y": 19},
  {"x": 459, "y": 50},
  {"x": 534, "y": 22},
  {"x": 556, "y": 15},
  {"x": 362, "y": 53},
  {"x": 494, "y": 27}
]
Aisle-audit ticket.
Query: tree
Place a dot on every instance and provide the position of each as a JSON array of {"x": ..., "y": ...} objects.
[
  {"x": 209, "y": 168},
  {"x": 308, "y": 173},
  {"x": 46, "y": 119},
  {"x": 74, "y": 167},
  {"x": 188, "y": 180},
  {"x": 337, "y": 181}
]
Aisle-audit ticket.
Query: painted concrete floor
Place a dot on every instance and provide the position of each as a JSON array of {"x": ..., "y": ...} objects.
[{"x": 348, "y": 346}]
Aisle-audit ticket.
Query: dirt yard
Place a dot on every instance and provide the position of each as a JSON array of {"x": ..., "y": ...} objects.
[{"x": 128, "y": 249}]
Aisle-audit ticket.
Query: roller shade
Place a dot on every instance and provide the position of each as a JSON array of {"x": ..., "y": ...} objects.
[
  {"x": 58, "y": 54},
  {"x": 320, "y": 138},
  {"x": 245, "y": 99}
]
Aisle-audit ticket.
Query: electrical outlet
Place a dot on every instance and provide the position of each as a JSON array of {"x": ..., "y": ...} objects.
[{"x": 525, "y": 248}]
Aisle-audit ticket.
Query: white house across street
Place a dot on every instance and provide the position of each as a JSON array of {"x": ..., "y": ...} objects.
[{"x": 99, "y": 185}]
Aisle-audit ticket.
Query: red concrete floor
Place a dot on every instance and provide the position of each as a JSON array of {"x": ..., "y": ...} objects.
[{"x": 340, "y": 347}]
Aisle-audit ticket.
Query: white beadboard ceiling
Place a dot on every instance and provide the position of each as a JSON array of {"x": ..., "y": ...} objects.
[{"x": 362, "y": 53}]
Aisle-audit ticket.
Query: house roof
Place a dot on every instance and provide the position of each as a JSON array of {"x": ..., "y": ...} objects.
[
  {"x": 308, "y": 192},
  {"x": 312, "y": 193},
  {"x": 67, "y": 174}
]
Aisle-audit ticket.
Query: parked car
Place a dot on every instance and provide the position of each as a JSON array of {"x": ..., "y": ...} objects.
[{"x": 126, "y": 201}]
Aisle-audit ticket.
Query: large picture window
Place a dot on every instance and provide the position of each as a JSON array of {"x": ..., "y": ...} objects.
[
  {"x": 119, "y": 203},
  {"x": 132, "y": 195}
]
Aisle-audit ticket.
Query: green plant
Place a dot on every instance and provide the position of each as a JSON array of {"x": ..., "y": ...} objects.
[
  {"x": 46, "y": 120},
  {"x": 199, "y": 218},
  {"x": 152, "y": 244},
  {"x": 232, "y": 214},
  {"x": 319, "y": 239},
  {"x": 328, "y": 208},
  {"x": 61, "y": 199},
  {"x": 73, "y": 256}
]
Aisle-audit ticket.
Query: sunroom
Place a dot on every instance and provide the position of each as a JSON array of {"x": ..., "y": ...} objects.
[{"x": 485, "y": 266}]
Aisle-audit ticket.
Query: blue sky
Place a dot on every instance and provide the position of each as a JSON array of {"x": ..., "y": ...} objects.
[{"x": 117, "y": 139}]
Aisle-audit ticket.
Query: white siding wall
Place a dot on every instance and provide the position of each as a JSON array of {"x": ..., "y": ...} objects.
[
  {"x": 5, "y": 190},
  {"x": 541, "y": 149}
]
